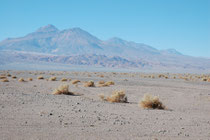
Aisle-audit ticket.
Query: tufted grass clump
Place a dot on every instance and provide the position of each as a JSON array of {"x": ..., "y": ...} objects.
[
  {"x": 116, "y": 96},
  {"x": 75, "y": 81},
  {"x": 108, "y": 83},
  {"x": 30, "y": 79},
  {"x": 52, "y": 78},
  {"x": 101, "y": 82},
  {"x": 14, "y": 77},
  {"x": 21, "y": 80},
  {"x": 5, "y": 80},
  {"x": 64, "y": 79},
  {"x": 3, "y": 77},
  {"x": 62, "y": 89},
  {"x": 89, "y": 84},
  {"x": 40, "y": 77},
  {"x": 151, "y": 102}
]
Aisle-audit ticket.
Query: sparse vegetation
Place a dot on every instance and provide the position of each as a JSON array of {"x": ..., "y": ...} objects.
[
  {"x": 30, "y": 79},
  {"x": 151, "y": 102},
  {"x": 40, "y": 77},
  {"x": 117, "y": 96},
  {"x": 101, "y": 82},
  {"x": 52, "y": 78},
  {"x": 109, "y": 83},
  {"x": 14, "y": 77},
  {"x": 21, "y": 80},
  {"x": 89, "y": 84},
  {"x": 63, "y": 89},
  {"x": 75, "y": 81},
  {"x": 64, "y": 79},
  {"x": 5, "y": 80},
  {"x": 3, "y": 77}
]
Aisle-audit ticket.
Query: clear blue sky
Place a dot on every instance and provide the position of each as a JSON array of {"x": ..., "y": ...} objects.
[{"x": 180, "y": 24}]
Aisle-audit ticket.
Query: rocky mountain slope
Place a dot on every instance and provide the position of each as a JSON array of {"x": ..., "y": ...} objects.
[{"x": 76, "y": 46}]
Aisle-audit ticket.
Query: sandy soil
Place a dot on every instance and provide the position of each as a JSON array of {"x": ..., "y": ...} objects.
[{"x": 28, "y": 110}]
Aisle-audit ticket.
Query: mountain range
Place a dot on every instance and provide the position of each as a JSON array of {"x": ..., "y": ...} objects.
[{"x": 78, "y": 47}]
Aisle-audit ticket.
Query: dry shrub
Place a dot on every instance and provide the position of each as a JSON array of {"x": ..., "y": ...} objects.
[
  {"x": 52, "y": 78},
  {"x": 89, "y": 84},
  {"x": 14, "y": 77},
  {"x": 109, "y": 83},
  {"x": 152, "y": 102},
  {"x": 75, "y": 81},
  {"x": 204, "y": 79},
  {"x": 3, "y": 77},
  {"x": 40, "y": 77},
  {"x": 5, "y": 80},
  {"x": 101, "y": 82},
  {"x": 117, "y": 96},
  {"x": 9, "y": 75},
  {"x": 21, "y": 80},
  {"x": 105, "y": 84},
  {"x": 102, "y": 85},
  {"x": 208, "y": 80},
  {"x": 161, "y": 75},
  {"x": 62, "y": 89},
  {"x": 102, "y": 76},
  {"x": 64, "y": 79},
  {"x": 30, "y": 79}
]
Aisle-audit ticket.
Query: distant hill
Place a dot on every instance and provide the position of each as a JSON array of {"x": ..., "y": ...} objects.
[{"x": 76, "y": 46}]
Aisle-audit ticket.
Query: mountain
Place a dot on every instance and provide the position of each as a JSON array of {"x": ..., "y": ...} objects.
[
  {"x": 76, "y": 46},
  {"x": 75, "y": 41}
]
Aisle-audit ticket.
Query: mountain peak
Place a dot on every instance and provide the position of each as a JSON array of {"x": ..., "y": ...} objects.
[
  {"x": 48, "y": 28},
  {"x": 117, "y": 40},
  {"x": 172, "y": 51}
]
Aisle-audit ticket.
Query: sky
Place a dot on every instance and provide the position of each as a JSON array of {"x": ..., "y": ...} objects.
[{"x": 180, "y": 24}]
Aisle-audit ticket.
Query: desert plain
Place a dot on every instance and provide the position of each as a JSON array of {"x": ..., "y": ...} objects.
[{"x": 29, "y": 110}]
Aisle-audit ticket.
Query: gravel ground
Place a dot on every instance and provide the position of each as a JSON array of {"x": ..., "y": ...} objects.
[{"x": 28, "y": 110}]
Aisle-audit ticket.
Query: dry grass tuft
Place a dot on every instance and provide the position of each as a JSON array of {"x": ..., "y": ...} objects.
[
  {"x": 75, "y": 81},
  {"x": 30, "y": 79},
  {"x": 14, "y": 77},
  {"x": 204, "y": 79},
  {"x": 52, "y": 78},
  {"x": 109, "y": 83},
  {"x": 89, "y": 84},
  {"x": 21, "y": 80},
  {"x": 64, "y": 79},
  {"x": 152, "y": 102},
  {"x": 5, "y": 80},
  {"x": 105, "y": 84},
  {"x": 3, "y": 77},
  {"x": 63, "y": 89},
  {"x": 208, "y": 80},
  {"x": 101, "y": 82},
  {"x": 117, "y": 96},
  {"x": 40, "y": 77},
  {"x": 102, "y": 76},
  {"x": 9, "y": 75},
  {"x": 102, "y": 85}
]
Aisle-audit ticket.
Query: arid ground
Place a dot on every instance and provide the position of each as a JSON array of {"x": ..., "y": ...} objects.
[{"x": 29, "y": 110}]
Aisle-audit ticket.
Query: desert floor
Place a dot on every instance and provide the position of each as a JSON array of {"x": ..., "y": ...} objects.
[{"x": 28, "y": 110}]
